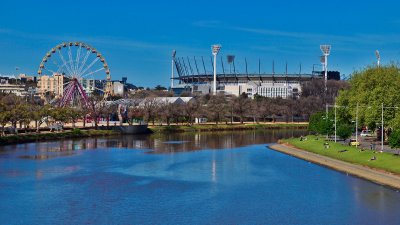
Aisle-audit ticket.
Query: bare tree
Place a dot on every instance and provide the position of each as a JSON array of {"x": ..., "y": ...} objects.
[
  {"x": 134, "y": 112},
  {"x": 96, "y": 104},
  {"x": 191, "y": 109},
  {"x": 168, "y": 111},
  {"x": 241, "y": 106},
  {"x": 150, "y": 108},
  {"x": 216, "y": 108}
]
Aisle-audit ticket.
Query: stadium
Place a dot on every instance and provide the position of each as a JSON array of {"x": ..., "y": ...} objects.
[{"x": 195, "y": 77}]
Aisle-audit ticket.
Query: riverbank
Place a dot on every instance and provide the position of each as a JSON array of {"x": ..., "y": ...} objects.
[
  {"x": 158, "y": 129},
  {"x": 227, "y": 127},
  {"x": 385, "y": 169},
  {"x": 75, "y": 133}
]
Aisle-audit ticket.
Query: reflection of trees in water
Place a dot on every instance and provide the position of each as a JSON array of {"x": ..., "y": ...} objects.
[
  {"x": 165, "y": 143},
  {"x": 212, "y": 140}
]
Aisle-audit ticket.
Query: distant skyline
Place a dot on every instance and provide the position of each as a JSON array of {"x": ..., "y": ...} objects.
[{"x": 137, "y": 38}]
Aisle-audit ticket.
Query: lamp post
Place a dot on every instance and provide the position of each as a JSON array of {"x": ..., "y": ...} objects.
[
  {"x": 326, "y": 115},
  {"x": 357, "y": 124},
  {"x": 230, "y": 58},
  {"x": 382, "y": 127},
  {"x": 336, "y": 106},
  {"x": 382, "y": 130},
  {"x": 335, "y": 123},
  {"x": 215, "y": 49},
  {"x": 378, "y": 58},
  {"x": 326, "y": 49},
  {"x": 172, "y": 68},
  {"x": 357, "y": 119}
]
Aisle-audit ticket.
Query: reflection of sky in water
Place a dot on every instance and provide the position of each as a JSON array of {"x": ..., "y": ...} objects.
[{"x": 241, "y": 185}]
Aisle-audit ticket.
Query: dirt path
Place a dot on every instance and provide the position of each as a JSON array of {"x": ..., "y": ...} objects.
[{"x": 377, "y": 176}]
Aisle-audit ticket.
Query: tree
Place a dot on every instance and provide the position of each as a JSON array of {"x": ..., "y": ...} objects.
[
  {"x": 60, "y": 115},
  {"x": 134, "y": 112},
  {"x": 394, "y": 139},
  {"x": 191, "y": 109},
  {"x": 160, "y": 88},
  {"x": 94, "y": 108},
  {"x": 320, "y": 124},
  {"x": 344, "y": 131},
  {"x": 316, "y": 88},
  {"x": 40, "y": 115},
  {"x": 216, "y": 108},
  {"x": 107, "y": 110},
  {"x": 310, "y": 105},
  {"x": 371, "y": 87},
  {"x": 4, "y": 117},
  {"x": 73, "y": 115},
  {"x": 262, "y": 108},
  {"x": 18, "y": 110},
  {"x": 150, "y": 109},
  {"x": 168, "y": 111},
  {"x": 241, "y": 106}
]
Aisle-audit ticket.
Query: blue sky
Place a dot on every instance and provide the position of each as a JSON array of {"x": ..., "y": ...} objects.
[{"x": 137, "y": 37}]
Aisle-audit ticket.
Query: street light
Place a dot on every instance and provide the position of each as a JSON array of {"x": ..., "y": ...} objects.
[
  {"x": 230, "y": 59},
  {"x": 215, "y": 49},
  {"x": 382, "y": 130},
  {"x": 172, "y": 68},
  {"x": 357, "y": 119},
  {"x": 336, "y": 106},
  {"x": 335, "y": 125},
  {"x": 326, "y": 49},
  {"x": 378, "y": 57}
]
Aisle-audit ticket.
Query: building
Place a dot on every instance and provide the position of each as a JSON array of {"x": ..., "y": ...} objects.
[
  {"x": 53, "y": 84},
  {"x": 9, "y": 84},
  {"x": 24, "y": 78},
  {"x": 118, "y": 88},
  {"x": 17, "y": 89},
  {"x": 89, "y": 85}
]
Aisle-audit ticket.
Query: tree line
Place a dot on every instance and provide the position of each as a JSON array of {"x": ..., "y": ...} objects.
[
  {"x": 146, "y": 106},
  {"x": 227, "y": 109}
]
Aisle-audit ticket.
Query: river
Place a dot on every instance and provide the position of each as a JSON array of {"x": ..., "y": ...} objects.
[{"x": 184, "y": 178}]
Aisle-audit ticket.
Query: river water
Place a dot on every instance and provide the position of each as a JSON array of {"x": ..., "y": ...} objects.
[{"x": 188, "y": 178}]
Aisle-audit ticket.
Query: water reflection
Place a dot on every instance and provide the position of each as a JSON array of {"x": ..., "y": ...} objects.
[
  {"x": 239, "y": 185},
  {"x": 158, "y": 143}
]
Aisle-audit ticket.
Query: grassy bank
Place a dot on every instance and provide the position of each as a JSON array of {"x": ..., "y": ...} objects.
[
  {"x": 384, "y": 161},
  {"x": 22, "y": 138},
  {"x": 221, "y": 127}
]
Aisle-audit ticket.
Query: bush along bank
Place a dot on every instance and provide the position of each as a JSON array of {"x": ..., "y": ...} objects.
[
  {"x": 222, "y": 127},
  {"x": 75, "y": 133}
]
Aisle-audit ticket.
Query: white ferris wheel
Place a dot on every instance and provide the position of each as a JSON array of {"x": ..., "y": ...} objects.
[{"x": 81, "y": 70}]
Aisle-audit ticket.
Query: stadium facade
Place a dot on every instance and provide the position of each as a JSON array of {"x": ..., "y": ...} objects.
[{"x": 191, "y": 75}]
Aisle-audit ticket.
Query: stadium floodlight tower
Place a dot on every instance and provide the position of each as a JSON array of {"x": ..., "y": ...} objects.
[
  {"x": 215, "y": 49},
  {"x": 172, "y": 68},
  {"x": 326, "y": 50},
  {"x": 378, "y": 58},
  {"x": 230, "y": 58}
]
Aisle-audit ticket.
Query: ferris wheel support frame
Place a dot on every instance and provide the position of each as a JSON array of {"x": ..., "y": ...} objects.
[{"x": 68, "y": 94}]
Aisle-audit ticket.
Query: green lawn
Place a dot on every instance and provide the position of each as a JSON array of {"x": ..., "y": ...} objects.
[{"x": 385, "y": 161}]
